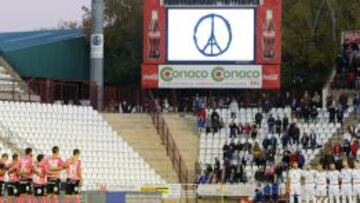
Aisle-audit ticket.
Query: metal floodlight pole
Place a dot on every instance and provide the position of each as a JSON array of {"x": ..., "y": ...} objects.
[{"x": 97, "y": 50}]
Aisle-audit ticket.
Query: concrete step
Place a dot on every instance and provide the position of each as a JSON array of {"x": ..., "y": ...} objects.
[
  {"x": 184, "y": 131},
  {"x": 138, "y": 131}
]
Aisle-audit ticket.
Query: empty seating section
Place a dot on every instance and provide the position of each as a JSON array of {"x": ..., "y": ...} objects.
[
  {"x": 7, "y": 83},
  {"x": 107, "y": 159},
  {"x": 211, "y": 145}
]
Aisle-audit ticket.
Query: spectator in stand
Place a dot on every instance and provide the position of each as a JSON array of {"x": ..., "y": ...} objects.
[
  {"x": 260, "y": 175},
  {"x": 306, "y": 113},
  {"x": 316, "y": 100},
  {"x": 254, "y": 132},
  {"x": 340, "y": 115},
  {"x": 270, "y": 155},
  {"x": 266, "y": 142},
  {"x": 258, "y": 119},
  {"x": 294, "y": 157},
  {"x": 196, "y": 104},
  {"x": 234, "y": 129},
  {"x": 357, "y": 135},
  {"x": 301, "y": 160},
  {"x": 273, "y": 142},
  {"x": 217, "y": 171},
  {"x": 278, "y": 124},
  {"x": 356, "y": 103},
  {"x": 314, "y": 114},
  {"x": 285, "y": 123},
  {"x": 257, "y": 153},
  {"x": 234, "y": 108},
  {"x": 288, "y": 99},
  {"x": 354, "y": 149},
  {"x": 337, "y": 150},
  {"x": 271, "y": 124},
  {"x": 202, "y": 117},
  {"x": 215, "y": 121},
  {"x": 313, "y": 143},
  {"x": 285, "y": 140},
  {"x": 279, "y": 169},
  {"x": 286, "y": 159},
  {"x": 246, "y": 130},
  {"x": 346, "y": 147},
  {"x": 332, "y": 113},
  {"x": 204, "y": 178},
  {"x": 305, "y": 139},
  {"x": 294, "y": 134}
]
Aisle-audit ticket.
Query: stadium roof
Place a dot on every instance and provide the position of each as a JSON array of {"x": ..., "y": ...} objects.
[{"x": 12, "y": 41}]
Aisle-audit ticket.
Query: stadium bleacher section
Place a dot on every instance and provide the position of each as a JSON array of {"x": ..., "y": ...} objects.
[
  {"x": 212, "y": 143},
  {"x": 42, "y": 126}
]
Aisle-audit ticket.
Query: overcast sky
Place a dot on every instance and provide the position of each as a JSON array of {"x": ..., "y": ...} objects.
[{"x": 26, "y": 15}]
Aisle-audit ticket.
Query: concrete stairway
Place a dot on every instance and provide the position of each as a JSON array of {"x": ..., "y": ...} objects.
[
  {"x": 14, "y": 87},
  {"x": 139, "y": 132},
  {"x": 184, "y": 130}
]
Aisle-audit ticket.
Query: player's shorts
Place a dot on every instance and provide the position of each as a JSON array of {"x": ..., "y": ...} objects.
[
  {"x": 320, "y": 190},
  {"x": 53, "y": 186},
  {"x": 39, "y": 190},
  {"x": 25, "y": 186},
  {"x": 2, "y": 187},
  {"x": 356, "y": 189},
  {"x": 72, "y": 187},
  {"x": 13, "y": 189},
  {"x": 309, "y": 190},
  {"x": 346, "y": 189},
  {"x": 334, "y": 190},
  {"x": 295, "y": 189}
]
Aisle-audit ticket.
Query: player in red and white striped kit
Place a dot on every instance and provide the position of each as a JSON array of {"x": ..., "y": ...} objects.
[{"x": 74, "y": 177}]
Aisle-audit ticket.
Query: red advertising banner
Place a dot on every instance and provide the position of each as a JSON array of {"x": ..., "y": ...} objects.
[
  {"x": 154, "y": 32},
  {"x": 149, "y": 76},
  {"x": 268, "y": 37},
  {"x": 271, "y": 77}
]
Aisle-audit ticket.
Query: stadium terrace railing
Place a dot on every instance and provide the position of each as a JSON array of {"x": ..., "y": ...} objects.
[
  {"x": 50, "y": 91},
  {"x": 168, "y": 141}
]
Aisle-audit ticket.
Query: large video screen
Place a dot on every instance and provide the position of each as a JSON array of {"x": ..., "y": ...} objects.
[{"x": 210, "y": 35}]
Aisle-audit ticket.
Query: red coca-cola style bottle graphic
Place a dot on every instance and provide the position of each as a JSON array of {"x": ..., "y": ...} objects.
[
  {"x": 269, "y": 36},
  {"x": 154, "y": 36}
]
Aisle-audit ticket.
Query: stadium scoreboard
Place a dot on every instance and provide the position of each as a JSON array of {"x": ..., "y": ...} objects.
[{"x": 212, "y": 44}]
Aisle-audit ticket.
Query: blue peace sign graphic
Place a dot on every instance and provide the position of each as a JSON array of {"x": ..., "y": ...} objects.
[{"x": 213, "y": 46}]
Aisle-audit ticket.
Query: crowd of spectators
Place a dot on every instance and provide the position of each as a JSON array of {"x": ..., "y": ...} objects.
[
  {"x": 237, "y": 156},
  {"x": 348, "y": 67}
]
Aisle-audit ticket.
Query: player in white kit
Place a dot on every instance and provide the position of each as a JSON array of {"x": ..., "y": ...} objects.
[
  {"x": 295, "y": 183},
  {"x": 309, "y": 189},
  {"x": 333, "y": 176},
  {"x": 356, "y": 180},
  {"x": 320, "y": 184},
  {"x": 346, "y": 183}
]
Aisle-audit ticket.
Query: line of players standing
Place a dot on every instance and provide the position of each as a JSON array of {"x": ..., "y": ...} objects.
[
  {"x": 325, "y": 186},
  {"x": 39, "y": 180}
]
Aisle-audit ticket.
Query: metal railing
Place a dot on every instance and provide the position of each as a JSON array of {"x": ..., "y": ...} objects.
[{"x": 168, "y": 141}]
